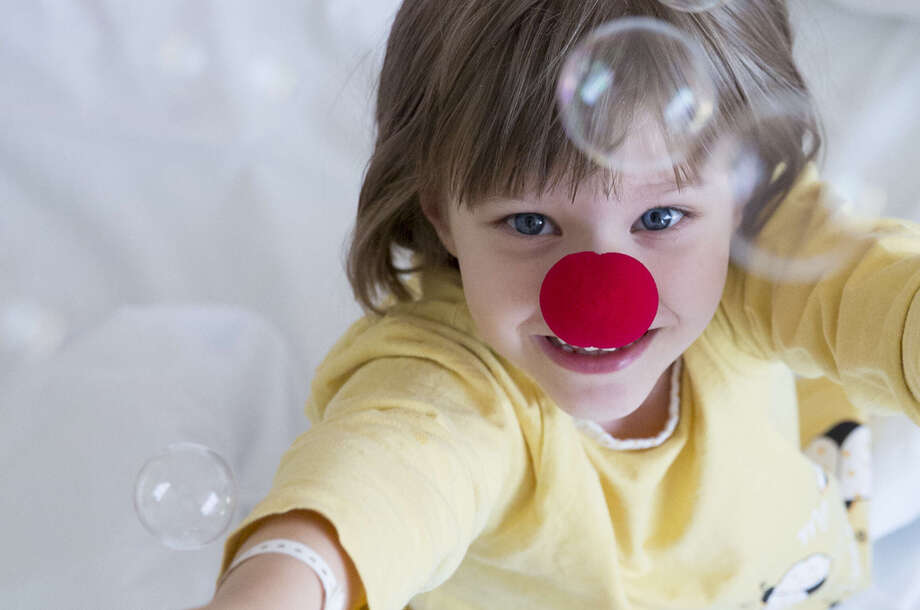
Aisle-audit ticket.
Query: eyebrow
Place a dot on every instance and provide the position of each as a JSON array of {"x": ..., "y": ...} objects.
[
  {"x": 669, "y": 185},
  {"x": 663, "y": 187}
]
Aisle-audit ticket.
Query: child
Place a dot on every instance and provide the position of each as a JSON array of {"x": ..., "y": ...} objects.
[{"x": 460, "y": 457}]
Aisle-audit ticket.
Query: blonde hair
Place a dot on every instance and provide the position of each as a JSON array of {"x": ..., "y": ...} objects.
[{"x": 466, "y": 110}]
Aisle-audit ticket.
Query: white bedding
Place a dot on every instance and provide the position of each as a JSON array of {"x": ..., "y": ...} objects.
[{"x": 177, "y": 182}]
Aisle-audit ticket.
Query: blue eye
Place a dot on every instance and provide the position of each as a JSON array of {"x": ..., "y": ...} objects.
[
  {"x": 528, "y": 223},
  {"x": 659, "y": 219}
]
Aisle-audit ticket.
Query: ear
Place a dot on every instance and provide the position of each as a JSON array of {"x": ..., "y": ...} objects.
[{"x": 434, "y": 212}]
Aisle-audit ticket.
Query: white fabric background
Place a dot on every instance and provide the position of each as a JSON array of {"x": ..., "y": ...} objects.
[{"x": 177, "y": 184}]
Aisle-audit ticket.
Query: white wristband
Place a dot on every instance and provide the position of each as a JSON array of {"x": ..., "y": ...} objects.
[{"x": 334, "y": 595}]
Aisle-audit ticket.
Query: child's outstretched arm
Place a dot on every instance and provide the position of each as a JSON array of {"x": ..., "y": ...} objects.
[
  {"x": 408, "y": 457},
  {"x": 272, "y": 580},
  {"x": 857, "y": 324}
]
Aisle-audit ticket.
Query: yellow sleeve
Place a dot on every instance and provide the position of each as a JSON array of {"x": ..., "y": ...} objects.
[
  {"x": 822, "y": 405},
  {"x": 407, "y": 463},
  {"x": 858, "y": 325}
]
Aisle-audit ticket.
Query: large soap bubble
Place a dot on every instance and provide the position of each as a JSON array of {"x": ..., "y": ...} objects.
[
  {"x": 185, "y": 496},
  {"x": 636, "y": 78},
  {"x": 796, "y": 239}
]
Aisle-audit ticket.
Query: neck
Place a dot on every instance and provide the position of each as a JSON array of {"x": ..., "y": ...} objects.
[{"x": 652, "y": 415}]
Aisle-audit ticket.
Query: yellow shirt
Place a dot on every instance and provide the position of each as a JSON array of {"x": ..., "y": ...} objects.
[{"x": 455, "y": 482}]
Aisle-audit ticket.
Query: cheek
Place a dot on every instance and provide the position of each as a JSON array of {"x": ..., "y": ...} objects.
[
  {"x": 691, "y": 285},
  {"x": 500, "y": 296}
]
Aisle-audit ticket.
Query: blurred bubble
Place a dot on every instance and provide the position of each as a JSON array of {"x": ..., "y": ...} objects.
[
  {"x": 28, "y": 333},
  {"x": 636, "y": 79},
  {"x": 790, "y": 240},
  {"x": 185, "y": 496},
  {"x": 271, "y": 78},
  {"x": 182, "y": 57},
  {"x": 692, "y": 6},
  {"x": 858, "y": 195}
]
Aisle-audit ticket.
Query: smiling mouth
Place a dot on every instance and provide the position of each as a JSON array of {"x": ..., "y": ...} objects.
[
  {"x": 590, "y": 351},
  {"x": 594, "y": 361}
]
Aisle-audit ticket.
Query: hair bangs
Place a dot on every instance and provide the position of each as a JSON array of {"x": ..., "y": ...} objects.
[{"x": 505, "y": 135}]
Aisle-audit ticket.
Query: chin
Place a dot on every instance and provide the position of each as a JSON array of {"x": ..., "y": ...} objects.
[{"x": 605, "y": 412}]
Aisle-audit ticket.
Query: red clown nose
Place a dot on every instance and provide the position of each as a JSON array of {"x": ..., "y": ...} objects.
[{"x": 599, "y": 300}]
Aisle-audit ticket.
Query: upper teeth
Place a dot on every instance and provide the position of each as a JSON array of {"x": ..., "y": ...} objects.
[
  {"x": 581, "y": 350},
  {"x": 588, "y": 350}
]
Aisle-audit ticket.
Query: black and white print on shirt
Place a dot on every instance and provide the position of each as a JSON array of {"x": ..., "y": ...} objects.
[
  {"x": 844, "y": 450},
  {"x": 800, "y": 582}
]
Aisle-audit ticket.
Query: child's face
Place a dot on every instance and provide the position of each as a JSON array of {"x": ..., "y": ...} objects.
[{"x": 505, "y": 248}]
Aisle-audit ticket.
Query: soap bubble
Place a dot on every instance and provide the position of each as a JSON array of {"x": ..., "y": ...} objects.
[
  {"x": 185, "y": 496},
  {"x": 636, "y": 78},
  {"x": 790, "y": 240},
  {"x": 692, "y": 6}
]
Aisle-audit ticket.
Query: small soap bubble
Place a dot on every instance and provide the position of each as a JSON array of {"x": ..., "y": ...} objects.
[
  {"x": 637, "y": 79},
  {"x": 185, "y": 496},
  {"x": 692, "y": 6},
  {"x": 765, "y": 153}
]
